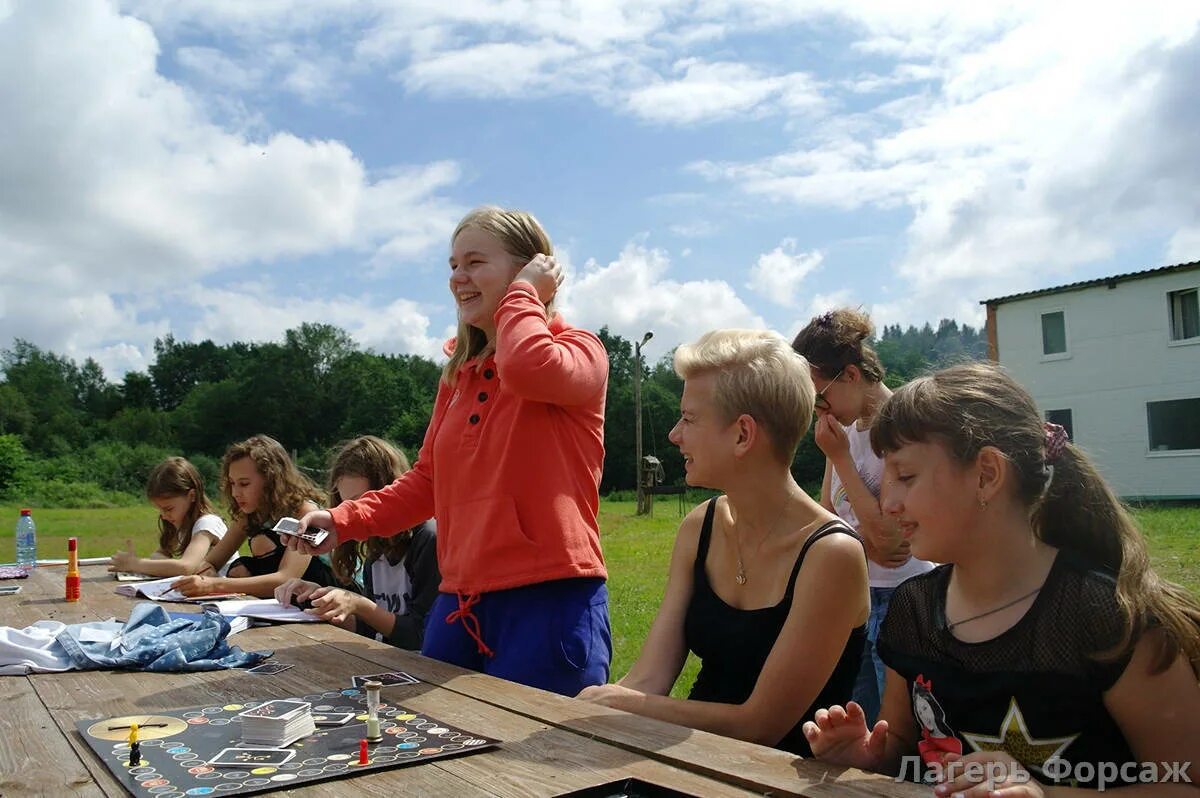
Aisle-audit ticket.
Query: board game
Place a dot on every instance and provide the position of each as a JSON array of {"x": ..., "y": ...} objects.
[{"x": 176, "y": 747}]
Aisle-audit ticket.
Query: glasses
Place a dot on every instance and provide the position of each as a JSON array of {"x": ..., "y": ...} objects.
[{"x": 819, "y": 399}]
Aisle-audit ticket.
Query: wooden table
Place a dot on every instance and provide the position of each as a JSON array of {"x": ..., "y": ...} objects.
[{"x": 550, "y": 744}]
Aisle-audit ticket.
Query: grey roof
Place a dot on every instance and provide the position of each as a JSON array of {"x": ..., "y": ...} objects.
[{"x": 1105, "y": 281}]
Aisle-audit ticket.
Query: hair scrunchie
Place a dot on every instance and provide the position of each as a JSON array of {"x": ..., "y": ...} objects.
[{"x": 1056, "y": 439}]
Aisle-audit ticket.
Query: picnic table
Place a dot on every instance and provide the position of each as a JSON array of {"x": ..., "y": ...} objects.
[{"x": 550, "y": 745}]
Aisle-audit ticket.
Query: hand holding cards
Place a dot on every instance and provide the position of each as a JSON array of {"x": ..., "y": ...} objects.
[{"x": 290, "y": 526}]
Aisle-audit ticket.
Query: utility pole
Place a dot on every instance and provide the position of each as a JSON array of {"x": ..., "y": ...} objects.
[{"x": 642, "y": 509}]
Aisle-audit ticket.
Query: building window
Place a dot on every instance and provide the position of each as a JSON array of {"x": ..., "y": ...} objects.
[
  {"x": 1185, "y": 314},
  {"x": 1054, "y": 333},
  {"x": 1174, "y": 425},
  {"x": 1063, "y": 419}
]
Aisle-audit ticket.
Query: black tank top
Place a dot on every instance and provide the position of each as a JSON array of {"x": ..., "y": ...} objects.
[
  {"x": 317, "y": 571},
  {"x": 733, "y": 644}
]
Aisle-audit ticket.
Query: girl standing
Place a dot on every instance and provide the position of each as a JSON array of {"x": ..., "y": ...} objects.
[
  {"x": 1046, "y": 646},
  {"x": 849, "y": 380},
  {"x": 510, "y": 468},
  {"x": 188, "y": 526},
  {"x": 400, "y": 574},
  {"x": 261, "y": 485}
]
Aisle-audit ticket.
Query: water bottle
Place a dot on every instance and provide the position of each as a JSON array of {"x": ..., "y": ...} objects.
[{"x": 26, "y": 540}]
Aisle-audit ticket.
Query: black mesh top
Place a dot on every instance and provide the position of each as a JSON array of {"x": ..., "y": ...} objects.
[
  {"x": 733, "y": 644},
  {"x": 1032, "y": 691}
]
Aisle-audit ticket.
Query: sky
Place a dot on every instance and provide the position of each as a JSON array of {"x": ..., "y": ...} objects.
[{"x": 227, "y": 170}]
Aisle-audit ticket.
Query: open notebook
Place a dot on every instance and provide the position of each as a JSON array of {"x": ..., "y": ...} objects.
[{"x": 160, "y": 590}]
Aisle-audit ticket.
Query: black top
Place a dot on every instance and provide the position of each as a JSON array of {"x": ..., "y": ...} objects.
[
  {"x": 258, "y": 564},
  {"x": 1034, "y": 691},
  {"x": 733, "y": 644},
  {"x": 420, "y": 561}
]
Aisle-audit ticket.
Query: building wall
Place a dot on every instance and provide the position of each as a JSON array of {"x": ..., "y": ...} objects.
[{"x": 1119, "y": 357}]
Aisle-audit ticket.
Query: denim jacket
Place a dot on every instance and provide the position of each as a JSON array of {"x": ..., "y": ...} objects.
[{"x": 151, "y": 641}]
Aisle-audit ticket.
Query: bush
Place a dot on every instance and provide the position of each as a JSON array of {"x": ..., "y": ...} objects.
[
  {"x": 13, "y": 463},
  {"x": 71, "y": 495}
]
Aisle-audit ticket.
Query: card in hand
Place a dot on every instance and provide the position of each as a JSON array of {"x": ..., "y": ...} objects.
[
  {"x": 312, "y": 535},
  {"x": 279, "y": 709},
  {"x": 269, "y": 668},
  {"x": 385, "y": 679},
  {"x": 333, "y": 718},
  {"x": 251, "y": 757}
]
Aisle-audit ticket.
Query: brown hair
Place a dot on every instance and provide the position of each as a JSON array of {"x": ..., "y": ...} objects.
[
  {"x": 285, "y": 489},
  {"x": 838, "y": 338},
  {"x": 522, "y": 237},
  {"x": 173, "y": 477},
  {"x": 968, "y": 407},
  {"x": 380, "y": 464}
]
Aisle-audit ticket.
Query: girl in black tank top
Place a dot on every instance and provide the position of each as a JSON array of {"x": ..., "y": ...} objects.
[{"x": 767, "y": 587}]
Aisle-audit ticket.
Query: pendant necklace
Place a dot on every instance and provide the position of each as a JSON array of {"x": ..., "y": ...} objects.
[
  {"x": 741, "y": 568},
  {"x": 1034, "y": 592}
]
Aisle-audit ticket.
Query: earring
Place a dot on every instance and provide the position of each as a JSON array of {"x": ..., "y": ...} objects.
[{"x": 983, "y": 504}]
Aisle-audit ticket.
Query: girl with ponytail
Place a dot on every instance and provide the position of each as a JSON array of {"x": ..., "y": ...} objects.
[{"x": 1057, "y": 657}]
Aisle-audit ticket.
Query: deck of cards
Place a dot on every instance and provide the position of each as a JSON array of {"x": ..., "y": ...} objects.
[
  {"x": 289, "y": 526},
  {"x": 277, "y": 723}
]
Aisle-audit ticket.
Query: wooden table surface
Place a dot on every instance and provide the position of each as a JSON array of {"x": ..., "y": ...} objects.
[{"x": 550, "y": 744}]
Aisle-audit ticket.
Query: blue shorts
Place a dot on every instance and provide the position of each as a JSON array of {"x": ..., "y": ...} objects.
[{"x": 553, "y": 635}]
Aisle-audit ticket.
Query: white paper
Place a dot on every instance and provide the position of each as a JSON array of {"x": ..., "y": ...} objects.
[{"x": 266, "y": 609}]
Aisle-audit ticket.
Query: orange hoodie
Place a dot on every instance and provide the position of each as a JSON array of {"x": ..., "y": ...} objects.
[{"x": 511, "y": 462}]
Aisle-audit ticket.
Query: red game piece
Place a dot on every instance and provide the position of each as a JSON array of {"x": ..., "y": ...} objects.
[{"x": 362, "y": 752}]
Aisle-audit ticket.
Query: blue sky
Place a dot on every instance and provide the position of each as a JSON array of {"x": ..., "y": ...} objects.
[{"x": 228, "y": 169}]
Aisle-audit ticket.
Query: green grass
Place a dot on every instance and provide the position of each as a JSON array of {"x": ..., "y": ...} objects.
[{"x": 637, "y": 549}]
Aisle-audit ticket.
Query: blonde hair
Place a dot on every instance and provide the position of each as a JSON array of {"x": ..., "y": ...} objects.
[
  {"x": 758, "y": 374},
  {"x": 380, "y": 463},
  {"x": 285, "y": 489},
  {"x": 173, "y": 477},
  {"x": 968, "y": 407},
  {"x": 522, "y": 237}
]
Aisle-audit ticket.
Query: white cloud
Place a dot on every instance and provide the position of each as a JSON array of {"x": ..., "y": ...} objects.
[
  {"x": 778, "y": 274},
  {"x": 127, "y": 187},
  {"x": 712, "y": 91},
  {"x": 634, "y": 293}
]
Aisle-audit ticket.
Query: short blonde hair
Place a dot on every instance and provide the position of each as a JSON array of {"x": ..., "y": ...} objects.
[
  {"x": 522, "y": 237},
  {"x": 758, "y": 374}
]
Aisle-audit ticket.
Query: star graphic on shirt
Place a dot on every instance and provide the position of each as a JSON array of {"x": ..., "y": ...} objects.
[{"x": 1014, "y": 738}]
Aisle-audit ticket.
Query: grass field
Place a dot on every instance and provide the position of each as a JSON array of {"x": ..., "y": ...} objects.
[{"x": 637, "y": 550}]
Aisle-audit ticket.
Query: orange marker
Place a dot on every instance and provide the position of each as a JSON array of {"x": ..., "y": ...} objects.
[{"x": 72, "y": 569}]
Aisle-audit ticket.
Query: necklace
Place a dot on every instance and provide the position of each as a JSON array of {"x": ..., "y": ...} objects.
[
  {"x": 741, "y": 568},
  {"x": 1034, "y": 592}
]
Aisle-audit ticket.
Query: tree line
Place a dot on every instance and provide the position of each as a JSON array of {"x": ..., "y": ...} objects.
[{"x": 70, "y": 436}]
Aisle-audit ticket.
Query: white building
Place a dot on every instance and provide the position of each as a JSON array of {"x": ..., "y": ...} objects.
[{"x": 1117, "y": 362}]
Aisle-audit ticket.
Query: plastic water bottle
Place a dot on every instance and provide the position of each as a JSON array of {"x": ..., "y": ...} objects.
[{"x": 26, "y": 540}]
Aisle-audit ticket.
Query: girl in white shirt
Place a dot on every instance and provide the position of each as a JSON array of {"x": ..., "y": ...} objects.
[{"x": 187, "y": 523}]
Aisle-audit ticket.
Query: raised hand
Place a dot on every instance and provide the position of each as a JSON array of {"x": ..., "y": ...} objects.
[
  {"x": 840, "y": 736},
  {"x": 544, "y": 274}
]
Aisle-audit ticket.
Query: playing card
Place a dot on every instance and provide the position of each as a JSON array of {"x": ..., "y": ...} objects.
[
  {"x": 250, "y": 757},
  {"x": 333, "y": 718},
  {"x": 269, "y": 668},
  {"x": 288, "y": 526},
  {"x": 9, "y": 590},
  {"x": 386, "y": 679},
  {"x": 279, "y": 709}
]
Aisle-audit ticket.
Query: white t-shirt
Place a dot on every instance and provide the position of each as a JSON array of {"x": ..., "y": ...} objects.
[
  {"x": 213, "y": 525},
  {"x": 389, "y": 586},
  {"x": 870, "y": 470}
]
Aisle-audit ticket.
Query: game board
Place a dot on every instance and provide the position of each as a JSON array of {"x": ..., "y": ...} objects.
[{"x": 174, "y": 756}]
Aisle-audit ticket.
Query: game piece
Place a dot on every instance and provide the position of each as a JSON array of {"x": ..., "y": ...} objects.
[
  {"x": 135, "y": 748},
  {"x": 179, "y": 744},
  {"x": 362, "y": 752},
  {"x": 372, "y": 689}
]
